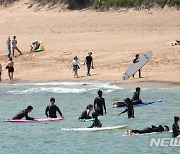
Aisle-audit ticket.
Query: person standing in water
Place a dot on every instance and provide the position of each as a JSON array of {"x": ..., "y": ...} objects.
[
  {"x": 52, "y": 109},
  {"x": 8, "y": 42},
  {"x": 14, "y": 46},
  {"x": 175, "y": 127},
  {"x": 89, "y": 63},
  {"x": 99, "y": 103},
  {"x": 10, "y": 67},
  {"x": 24, "y": 113},
  {"x": 136, "y": 60}
]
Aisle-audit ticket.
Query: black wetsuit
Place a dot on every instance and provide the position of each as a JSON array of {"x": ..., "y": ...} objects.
[
  {"x": 135, "y": 61},
  {"x": 135, "y": 99},
  {"x": 99, "y": 103},
  {"x": 88, "y": 64},
  {"x": 130, "y": 110},
  {"x": 52, "y": 111},
  {"x": 84, "y": 115},
  {"x": 23, "y": 113},
  {"x": 96, "y": 123},
  {"x": 149, "y": 130},
  {"x": 175, "y": 129}
]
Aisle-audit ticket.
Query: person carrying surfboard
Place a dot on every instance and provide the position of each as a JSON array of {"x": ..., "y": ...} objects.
[
  {"x": 24, "y": 113},
  {"x": 129, "y": 108},
  {"x": 175, "y": 127},
  {"x": 85, "y": 114},
  {"x": 96, "y": 122},
  {"x": 136, "y": 60}
]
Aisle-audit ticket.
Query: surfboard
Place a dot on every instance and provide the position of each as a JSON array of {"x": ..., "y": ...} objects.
[
  {"x": 86, "y": 120},
  {"x": 35, "y": 120},
  {"x": 134, "y": 67},
  {"x": 94, "y": 129},
  {"x": 121, "y": 104}
]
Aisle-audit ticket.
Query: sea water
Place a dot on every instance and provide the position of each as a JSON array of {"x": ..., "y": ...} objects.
[{"x": 72, "y": 99}]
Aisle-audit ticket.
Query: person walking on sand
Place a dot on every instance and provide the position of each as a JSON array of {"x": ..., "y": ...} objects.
[
  {"x": 0, "y": 71},
  {"x": 75, "y": 65},
  {"x": 10, "y": 67},
  {"x": 14, "y": 46},
  {"x": 8, "y": 42},
  {"x": 89, "y": 63},
  {"x": 136, "y": 60}
]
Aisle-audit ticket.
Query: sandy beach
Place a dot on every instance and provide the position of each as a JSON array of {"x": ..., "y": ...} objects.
[{"x": 114, "y": 37}]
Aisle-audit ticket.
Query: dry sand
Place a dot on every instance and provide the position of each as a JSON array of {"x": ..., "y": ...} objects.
[{"x": 113, "y": 37}]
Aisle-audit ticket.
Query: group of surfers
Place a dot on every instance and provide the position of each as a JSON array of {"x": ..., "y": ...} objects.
[{"x": 99, "y": 107}]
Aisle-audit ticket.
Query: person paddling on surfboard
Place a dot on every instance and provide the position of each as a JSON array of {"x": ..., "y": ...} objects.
[
  {"x": 24, "y": 113},
  {"x": 151, "y": 129},
  {"x": 175, "y": 127},
  {"x": 135, "y": 99},
  {"x": 52, "y": 109},
  {"x": 129, "y": 108},
  {"x": 85, "y": 114},
  {"x": 96, "y": 122},
  {"x": 136, "y": 60}
]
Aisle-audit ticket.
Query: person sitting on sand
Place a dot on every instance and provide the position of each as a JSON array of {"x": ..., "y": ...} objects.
[
  {"x": 96, "y": 122},
  {"x": 10, "y": 67},
  {"x": 175, "y": 127},
  {"x": 24, "y": 113},
  {"x": 151, "y": 129},
  {"x": 85, "y": 114}
]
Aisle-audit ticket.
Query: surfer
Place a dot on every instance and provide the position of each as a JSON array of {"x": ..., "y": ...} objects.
[
  {"x": 96, "y": 122},
  {"x": 99, "y": 103},
  {"x": 136, "y": 60},
  {"x": 24, "y": 113},
  {"x": 151, "y": 129},
  {"x": 175, "y": 127},
  {"x": 135, "y": 99},
  {"x": 51, "y": 109},
  {"x": 85, "y": 114},
  {"x": 89, "y": 63},
  {"x": 129, "y": 108}
]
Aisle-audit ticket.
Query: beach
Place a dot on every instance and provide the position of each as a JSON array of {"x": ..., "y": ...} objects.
[{"x": 114, "y": 37}]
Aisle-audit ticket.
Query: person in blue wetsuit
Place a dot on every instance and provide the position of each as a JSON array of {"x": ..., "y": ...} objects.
[
  {"x": 135, "y": 99},
  {"x": 99, "y": 104},
  {"x": 52, "y": 109},
  {"x": 175, "y": 127},
  {"x": 129, "y": 108},
  {"x": 85, "y": 114},
  {"x": 96, "y": 122},
  {"x": 151, "y": 129},
  {"x": 24, "y": 113}
]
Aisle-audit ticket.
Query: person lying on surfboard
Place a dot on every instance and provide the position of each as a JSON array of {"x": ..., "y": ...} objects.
[
  {"x": 85, "y": 114},
  {"x": 24, "y": 113},
  {"x": 129, "y": 108},
  {"x": 96, "y": 122},
  {"x": 151, "y": 129},
  {"x": 136, "y": 60}
]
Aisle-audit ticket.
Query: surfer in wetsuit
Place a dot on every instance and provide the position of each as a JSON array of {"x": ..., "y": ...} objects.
[
  {"x": 96, "y": 122},
  {"x": 151, "y": 129},
  {"x": 136, "y": 60},
  {"x": 129, "y": 108},
  {"x": 175, "y": 127},
  {"x": 85, "y": 114},
  {"x": 135, "y": 99},
  {"x": 24, "y": 113},
  {"x": 99, "y": 103},
  {"x": 51, "y": 110}
]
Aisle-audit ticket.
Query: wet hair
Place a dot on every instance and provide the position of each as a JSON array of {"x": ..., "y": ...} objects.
[
  {"x": 52, "y": 100},
  {"x": 94, "y": 115},
  {"x": 99, "y": 92},
  {"x": 176, "y": 118},
  {"x": 127, "y": 100},
  {"x": 137, "y": 55},
  {"x": 167, "y": 128},
  {"x": 138, "y": 88},
  {"x": 90, "y": 107},
  {"x": 29, "y": 107}
]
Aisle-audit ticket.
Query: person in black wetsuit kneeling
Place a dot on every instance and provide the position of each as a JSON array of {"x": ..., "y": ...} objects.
[
  {"x": 99, "y": 103},
  {"x": 151, "y": 129},
  {"x": 24, "y": 113},
  {"x": 52, "y": 109},
  {"x": 129, "y": 108},
  {"x": 175, "y": 127},
  {"x": 96, "y": 122},
  {"x": 85, "y": 114},
  {"x": 135, "y": 99}
]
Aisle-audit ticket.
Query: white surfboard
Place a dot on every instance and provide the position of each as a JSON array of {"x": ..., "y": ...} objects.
[
  {"x": 134, "y": 67},
  {"x": 94, "y": 129}
]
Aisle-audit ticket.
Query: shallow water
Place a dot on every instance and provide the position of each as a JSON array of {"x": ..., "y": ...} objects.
[{"x": 72, "y": 98}]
